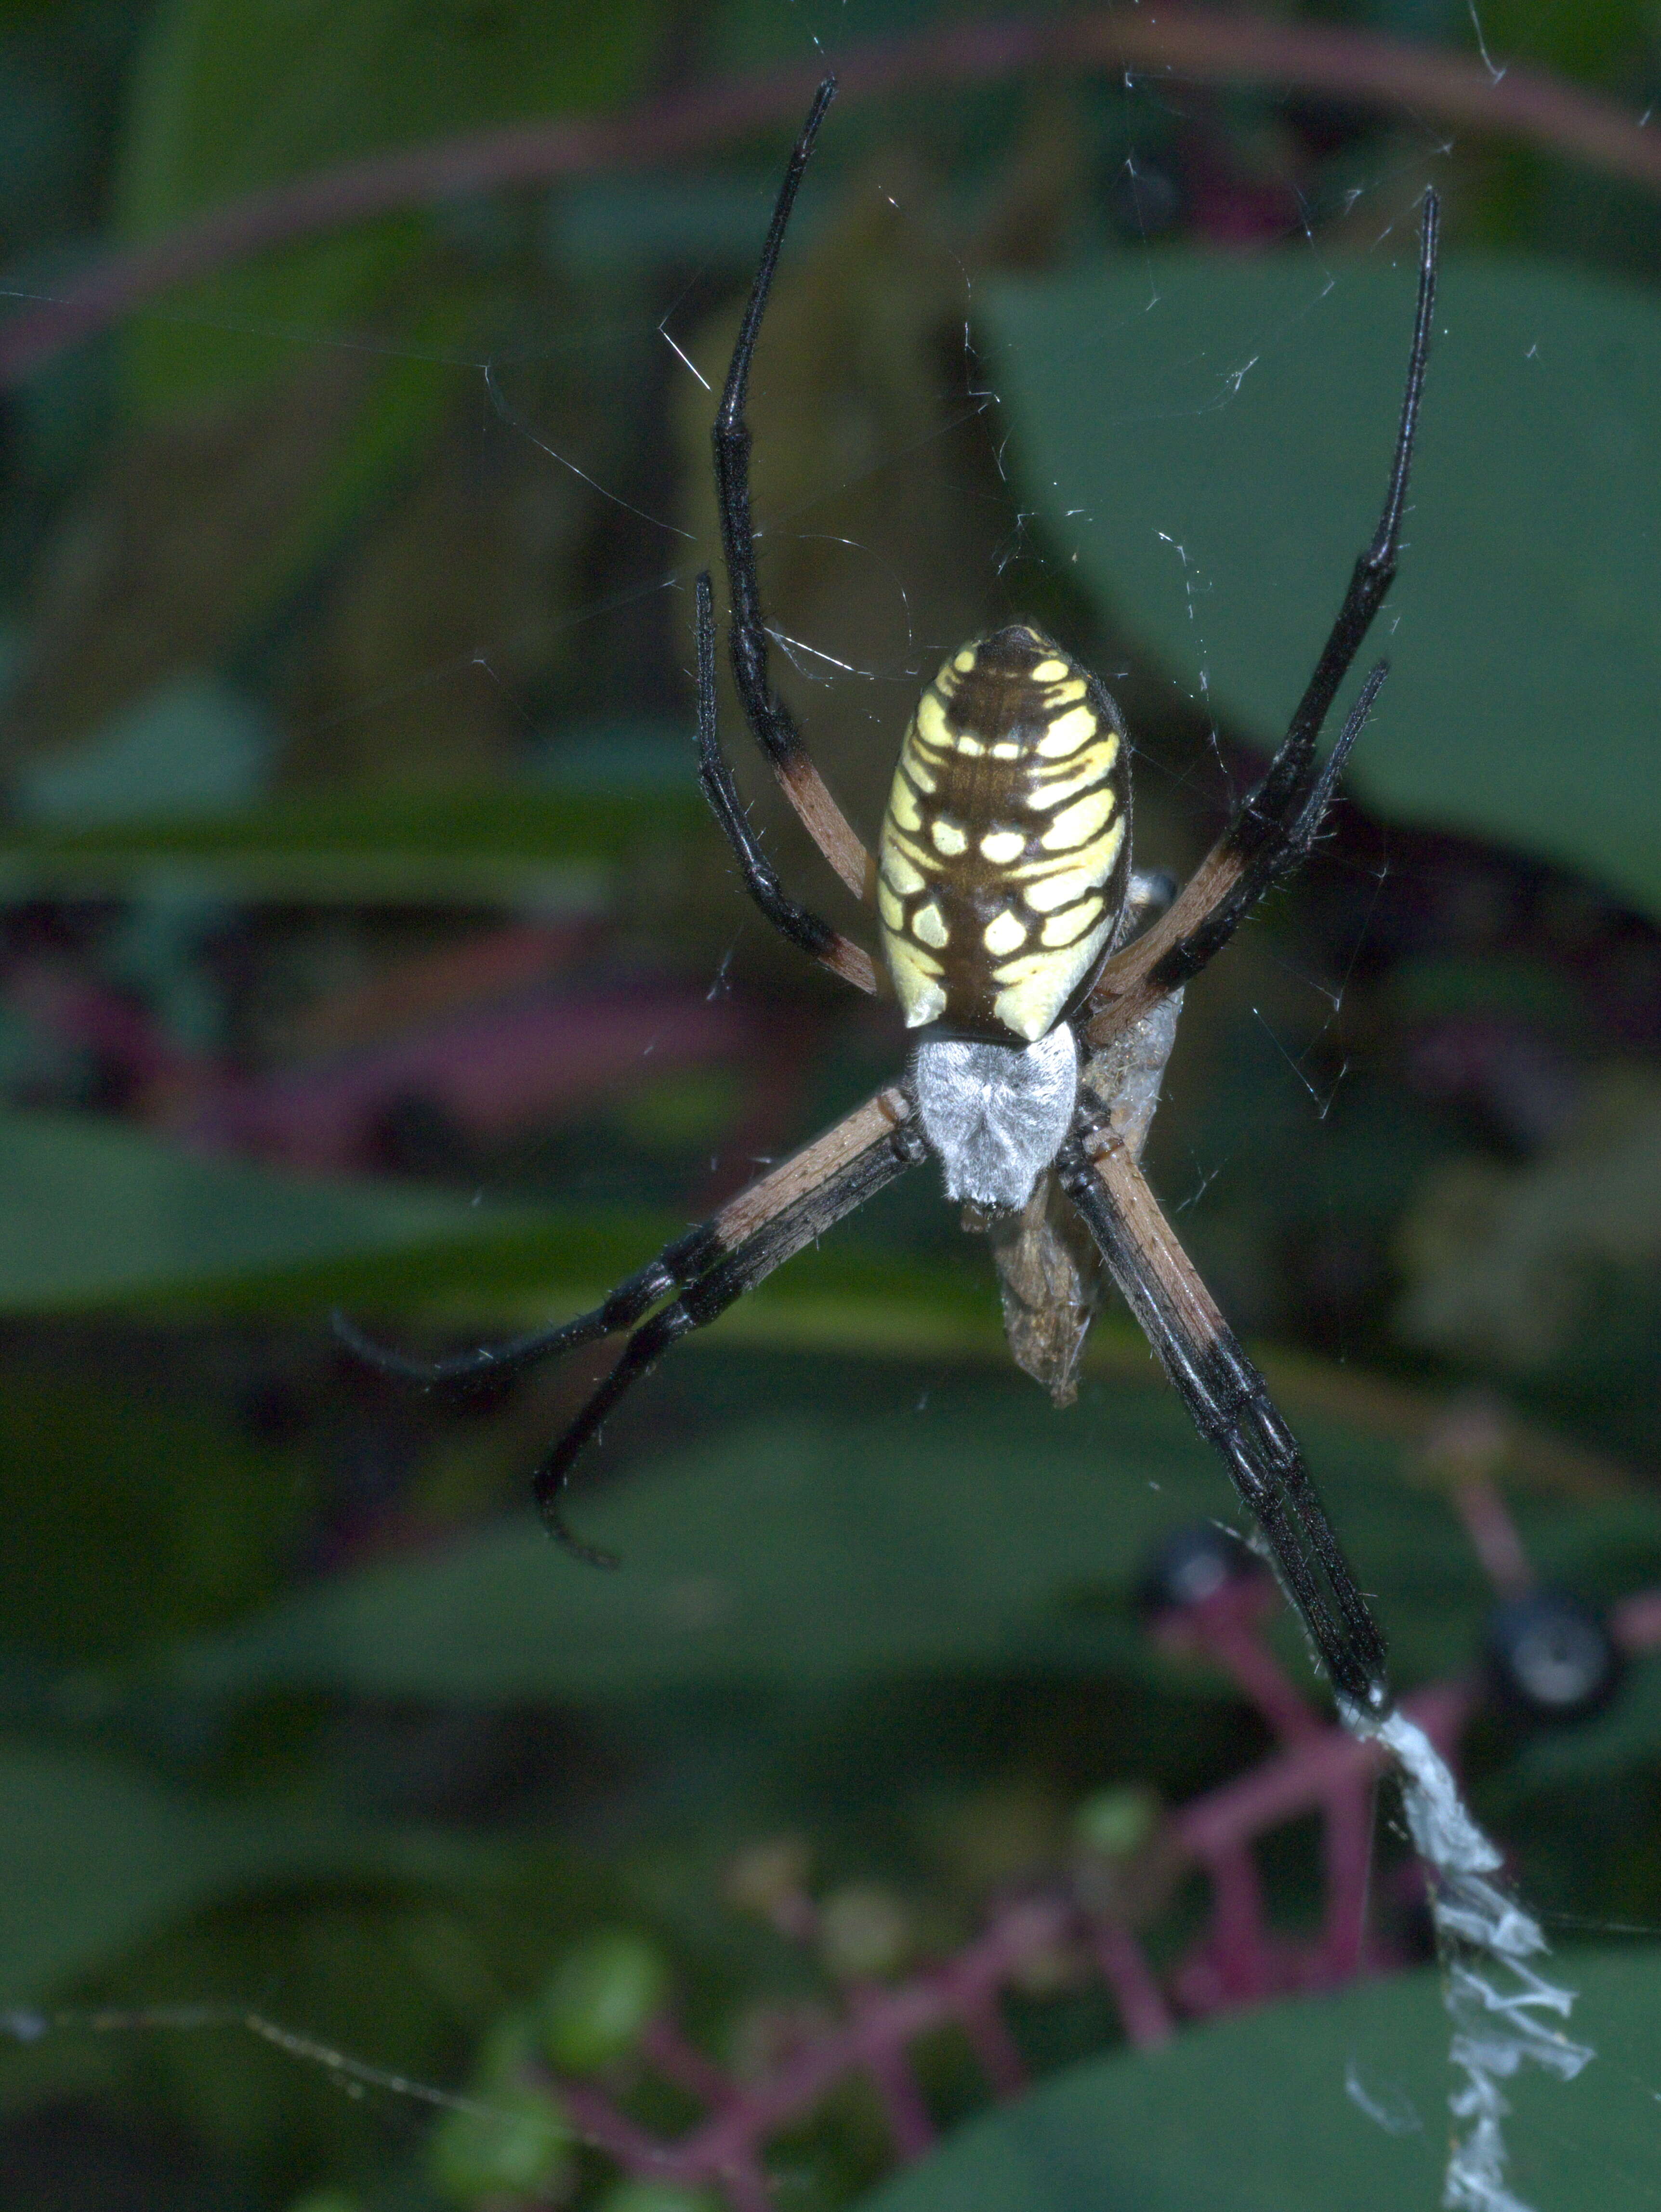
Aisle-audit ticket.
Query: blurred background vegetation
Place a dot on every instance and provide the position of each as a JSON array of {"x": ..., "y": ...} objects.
[{"x": 364, "y": 942}]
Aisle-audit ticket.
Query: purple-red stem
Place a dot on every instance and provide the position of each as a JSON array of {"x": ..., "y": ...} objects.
[
  {"x": 1226, "y": 1627},
  {"x": 1238, "y": 1951},
  {"x": 1142, "y": 2007},
  {"x": 988, "y": 2031},
  {"x": 1494, "y": 1536},
  {"x": 724, "y": 2148},
  {"x": 1324, "y": 1769},
  {"x": 1319, "y": 1767},
  {"x": 682, "y": 2063},
  {"x": 1197, "y": 44},
  {"x": 889, "y": 2070},
  {"x": 1635, "y": 1623}
]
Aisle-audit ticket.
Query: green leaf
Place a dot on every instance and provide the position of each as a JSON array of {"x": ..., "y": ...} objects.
[
  {"x": 192, "y": 747},
  {"x": 1209, "y": 440},
  {"x": 1267, "y": 2113},
  {"x": 98, "y": 1855},
  {"x": 93, "y": 1214},
  {"x": 94, "y": 1478},
  {"x": 981, "y": 1533},
  {"x": 229, "y": 100},
  {"x": 561, "y": 849}
]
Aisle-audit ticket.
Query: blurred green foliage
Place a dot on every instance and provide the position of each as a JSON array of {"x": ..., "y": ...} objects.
[
  {"x": 806, "y": 1549},
  {"x": 331, "y": 659},
  {"x": 1219, "y": 495},
  {"x": 1123, "y": 2132}
]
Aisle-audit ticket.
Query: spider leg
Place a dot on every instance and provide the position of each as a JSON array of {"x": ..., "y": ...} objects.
[
  {"x": 711, "y": 1265},
  {"x": 629, "y": 1301},
  {"x": 771, "y": 722},
  {"x": 752, "y": 1235},
  {"x": 1219, "y": 895},
  {"x": 1229, "y": 1402},
  {"x": 800, "y": 924},
  {"x": 1276, "y": 822}
]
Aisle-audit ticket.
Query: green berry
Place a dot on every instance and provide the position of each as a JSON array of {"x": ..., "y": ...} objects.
[
  {"x": 657, "y": 2197},
  {"x": 512, "y": 2049},
  {"x": 514, "y": 2142},
  {"x": 599, "y": 1998},
  {"x": 1115, "y": 1824}
]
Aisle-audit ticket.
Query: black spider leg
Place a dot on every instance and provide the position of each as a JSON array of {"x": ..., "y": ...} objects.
[
  {"x": 1277, "y": 822},
  {"x": 799, "y": 924},
  {"x": 1228, "y": 1401},
  {"x": 676, "y": 1264},
  {"x": 770, "y": 720},
  {"x": 1270, "y": 849},
  {"x": 775, "y": 1239},
  {"x": 680, "y": 1263}
]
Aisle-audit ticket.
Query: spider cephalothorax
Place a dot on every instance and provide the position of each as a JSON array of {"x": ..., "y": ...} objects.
[{"x": 1009, "y": 923}]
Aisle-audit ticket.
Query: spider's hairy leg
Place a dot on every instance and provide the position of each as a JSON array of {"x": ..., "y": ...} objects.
[
  {"x": 1273, "y": 827},
  {"x": 736, "y": 1248},
  {"x": 771, "y": 722},
  {"x": 1229, "y": 1403},
  {"x": 677, "y": 1264},
  {"x": 753, "y": 1233},
  {"x": 1220, "y": 894},
  {"x": 800, "y": 924}
]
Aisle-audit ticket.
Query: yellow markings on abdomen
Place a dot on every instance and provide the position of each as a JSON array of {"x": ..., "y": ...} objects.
[
  {"x": 1091, "y": 768},
  {"x": 1071, "y": 923},
  {"x": 1074, "y": 825},
  {"x": 930, "y": 725},
  {"x": 903, "y": 805},
  {"x": 1069, "y": 732},
  {"x": 1058, "y": 888},
  {"x": 1003, "y": 854},
  {"x": 930, "y": 924}
]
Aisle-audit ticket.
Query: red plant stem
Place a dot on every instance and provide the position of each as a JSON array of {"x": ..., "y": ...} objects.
[
  {"x": 1226, "y": 1628},
  {"x": 1197, "y": 44},
  {"x": 982, "y": 2022},
  {"x": 1322, "y": 1769},
  {"x": 1319, "y": 1767},
  {"x": 1494, "y": 1536},
  {"x": 682, "y": 2063},
  {"x": 888, "y": 2068},
  {"x": 1237, "y": 1951},
  {"x": 723, "y": 2149},
  {"x": 1142, "y": 2009},
  {"x": 1299, "y": 1779},
  {"x": 1636, "y": 1622}
]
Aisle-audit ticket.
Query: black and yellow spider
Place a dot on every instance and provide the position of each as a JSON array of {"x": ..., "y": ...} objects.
[{"x": 1004, "y": 894}]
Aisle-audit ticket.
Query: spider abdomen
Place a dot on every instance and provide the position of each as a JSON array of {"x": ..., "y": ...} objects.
[{"x": 1006, "y": 847}]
